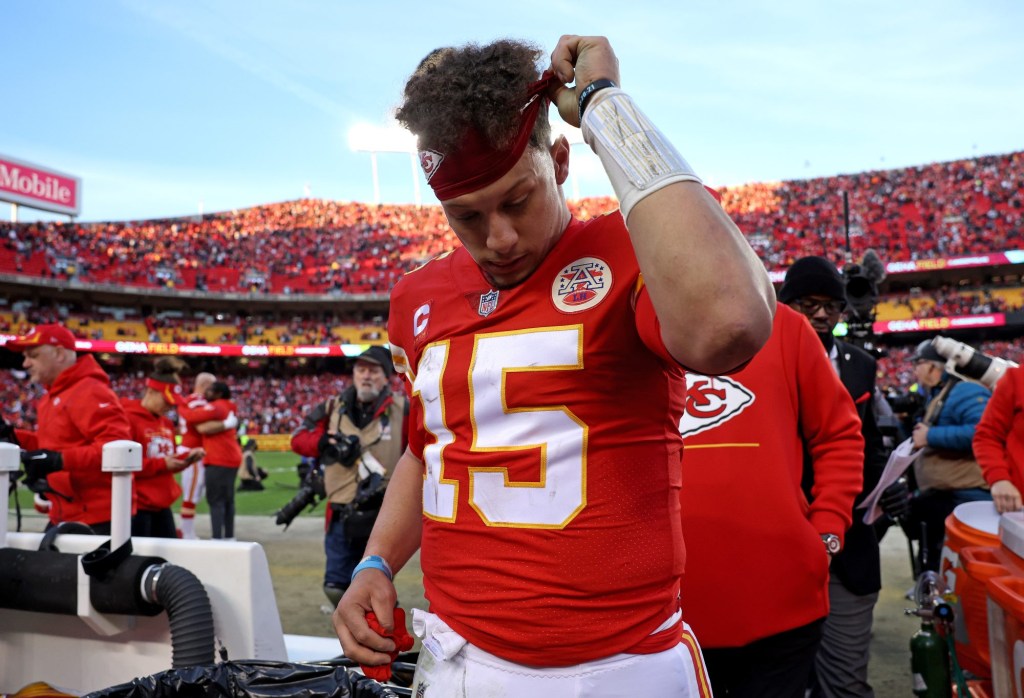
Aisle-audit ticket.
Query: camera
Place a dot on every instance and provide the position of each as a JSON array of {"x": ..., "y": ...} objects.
[
  {"x": 967, "y": 362},
  {"x": 309, "y": 495},
  {"x": 906, "y": 402},
  {"x": 360, "y": 515},
  {"x": 343, "y": 451}
]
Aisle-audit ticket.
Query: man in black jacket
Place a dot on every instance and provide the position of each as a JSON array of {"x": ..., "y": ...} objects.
[{"x": 814, "y": 287}]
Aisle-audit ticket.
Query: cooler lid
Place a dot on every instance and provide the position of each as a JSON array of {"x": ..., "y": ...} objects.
[
  {"x": 1011, "y": 532},
  {"x": 981, "y": 516}
]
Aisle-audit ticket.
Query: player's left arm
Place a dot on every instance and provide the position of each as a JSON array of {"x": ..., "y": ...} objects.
[{"x": 711, "y": 294}]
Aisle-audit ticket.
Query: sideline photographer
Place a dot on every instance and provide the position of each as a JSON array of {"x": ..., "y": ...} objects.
[
  {"x": 947, "y": 473},
  {"x": 357, "y": 438}
]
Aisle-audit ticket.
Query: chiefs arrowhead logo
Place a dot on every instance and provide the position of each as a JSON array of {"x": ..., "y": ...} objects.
[
  {"x": 430, "y": 161},
  {"x": 711, "y": 401}
]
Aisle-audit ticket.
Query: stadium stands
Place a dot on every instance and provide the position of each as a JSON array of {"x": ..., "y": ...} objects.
[
  {"x": 313, "y": 246},
  {"x": 342, "y": 249}
]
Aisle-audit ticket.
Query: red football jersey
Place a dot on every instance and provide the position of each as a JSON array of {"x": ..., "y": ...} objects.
[{"x": 546, "y": 416}]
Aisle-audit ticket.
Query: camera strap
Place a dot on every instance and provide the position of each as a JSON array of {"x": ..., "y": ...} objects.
[{"x": 931, "y": 413}]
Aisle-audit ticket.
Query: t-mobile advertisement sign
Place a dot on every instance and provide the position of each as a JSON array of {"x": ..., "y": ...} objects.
[{"x": 39, "y": 187}]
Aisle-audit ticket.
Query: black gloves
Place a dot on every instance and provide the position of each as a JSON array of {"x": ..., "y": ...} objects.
[
  {"x": 895, "y": 499},
  {"x": 39, "y": 464}
]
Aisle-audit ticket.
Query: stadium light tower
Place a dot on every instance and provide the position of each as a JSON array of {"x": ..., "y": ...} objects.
[{"x": 367, "y": 138}]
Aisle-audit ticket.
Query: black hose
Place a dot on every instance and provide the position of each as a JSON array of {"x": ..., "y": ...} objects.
[
  {"x": 188, "y": 611},
  {"x": 47, "y": 581}
]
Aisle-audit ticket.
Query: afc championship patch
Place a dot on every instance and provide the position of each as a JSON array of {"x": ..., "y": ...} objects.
[{"x": 581, "y": 285}]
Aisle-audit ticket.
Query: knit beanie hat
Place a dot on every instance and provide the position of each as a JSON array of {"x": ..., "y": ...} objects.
[{"x": 812, "y": 276}]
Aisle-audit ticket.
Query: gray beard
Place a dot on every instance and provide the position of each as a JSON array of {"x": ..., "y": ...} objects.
[{"x": 367, "y": 394}]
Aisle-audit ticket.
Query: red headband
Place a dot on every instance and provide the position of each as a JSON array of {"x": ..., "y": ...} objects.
[
  {"x": 171, "y": 392},
  {"x": 475, "y": 163}
]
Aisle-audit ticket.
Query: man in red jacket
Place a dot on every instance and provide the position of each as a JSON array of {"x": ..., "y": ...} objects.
[
  {"x": 999, "y": 441},
  {"x": 77, "y": 416},
  {"x": 216, "y": 421},
  {"x": 755, "y": 589}
]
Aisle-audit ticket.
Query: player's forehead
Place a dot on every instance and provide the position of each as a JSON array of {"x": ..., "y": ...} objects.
[
  {"x": 522, "y": 174},
  {"x": 41, "y": 352}
]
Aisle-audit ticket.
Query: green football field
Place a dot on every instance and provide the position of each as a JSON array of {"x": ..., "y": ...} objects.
[{"x": 279, "y": 488}]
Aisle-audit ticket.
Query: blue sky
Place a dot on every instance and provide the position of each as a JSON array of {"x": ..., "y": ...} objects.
[{"x": 163, "y": 107}]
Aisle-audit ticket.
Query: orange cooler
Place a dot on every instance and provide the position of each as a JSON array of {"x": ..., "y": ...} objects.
[
  {"x": 1006, "y": 635},
  {"x": 972, "y": 526},
  {"x": 978, "y": 565}
]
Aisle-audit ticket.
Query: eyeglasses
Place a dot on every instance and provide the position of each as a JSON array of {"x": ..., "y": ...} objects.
[{"x": 809, "y": 306}]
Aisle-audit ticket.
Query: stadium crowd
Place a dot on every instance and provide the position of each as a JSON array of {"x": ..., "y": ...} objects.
[
  {"x": 328, "y": 247},
  {"x": 276, "y": 405},
  {"x": 936, "y": 210},
  {"x": 268, "y": 404}
]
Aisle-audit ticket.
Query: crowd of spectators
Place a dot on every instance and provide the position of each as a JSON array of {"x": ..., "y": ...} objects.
[
  {"x": 317, "y": 328},
  {"x": 951, "y": 303},
  {"x": 276, "y": 405},
  {"x": 317, "y": 246},
  {"x": 936, "y": 210},
  {"x": 268, "y": 405}
]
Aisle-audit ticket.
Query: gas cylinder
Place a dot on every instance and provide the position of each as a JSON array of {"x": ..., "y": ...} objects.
[{"x": 929, "y": 663}]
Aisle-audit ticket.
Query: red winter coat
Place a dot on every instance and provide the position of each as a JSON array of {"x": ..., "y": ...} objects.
[
  {"x": 755, "y": 562},
  {"x": 155, "y": 487},
  {"x": 999, "y": 436},
  {"x": 77, "y": 415}
]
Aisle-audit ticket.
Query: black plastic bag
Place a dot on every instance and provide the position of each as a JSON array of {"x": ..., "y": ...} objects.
[{"x": 258, "y": 679}]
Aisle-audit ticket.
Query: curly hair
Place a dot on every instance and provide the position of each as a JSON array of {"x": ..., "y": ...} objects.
[
  {"x": 472, "y": 86},
  {"x": 167, "y": 369}
]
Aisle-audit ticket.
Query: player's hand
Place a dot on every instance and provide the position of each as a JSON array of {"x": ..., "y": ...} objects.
[
  {"x": 40, "y": 463},
  {"x": 1006, "y": 497},
  {"x": 371, "y": 590},
  {"x": 580, "y": 60},
  {"x": 895, "y": 499},
  {"x": 196, "y": 454},
  {"x": 175, "y": 465},
  {"x": 920, "y": 435}
]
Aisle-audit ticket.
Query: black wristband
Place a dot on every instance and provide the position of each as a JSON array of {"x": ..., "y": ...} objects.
[{"x": 589, "y": 91}]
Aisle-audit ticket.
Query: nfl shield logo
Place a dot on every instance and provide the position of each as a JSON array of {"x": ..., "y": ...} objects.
[{"x": 488, "y": 302}]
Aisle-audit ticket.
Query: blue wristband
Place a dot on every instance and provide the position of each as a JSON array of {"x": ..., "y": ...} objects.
[{"x": 373, "y": 562}]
